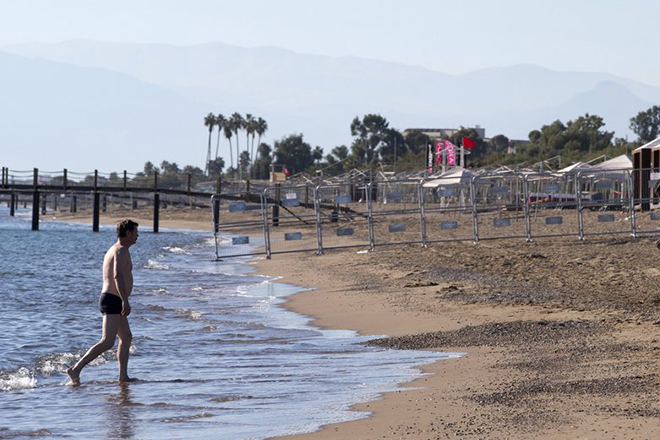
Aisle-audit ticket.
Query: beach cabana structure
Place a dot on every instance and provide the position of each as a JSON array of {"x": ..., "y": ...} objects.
[
  {"x": 645, "y": 159},
  {"x": 574, "y": 168},
  {"x": 615, "y": 168},
  {"x": 451, "y": 186},
  {"x": 457, "y": 176}
]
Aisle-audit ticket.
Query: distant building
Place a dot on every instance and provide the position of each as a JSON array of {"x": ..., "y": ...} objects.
[{"x": 436, "y": 133}]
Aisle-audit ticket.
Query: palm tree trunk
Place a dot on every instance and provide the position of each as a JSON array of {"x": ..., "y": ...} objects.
[
  {"x": 208, "y": 155},
  {"x": 238, "y": 159},
  {"x": 231, "y": 153},
  {"x": 217, "y": 145},
  {"x": 247, "y": 150}
]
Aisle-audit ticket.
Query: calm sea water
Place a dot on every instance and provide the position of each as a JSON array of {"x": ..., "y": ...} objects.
[{"x": 216, "y": 355}]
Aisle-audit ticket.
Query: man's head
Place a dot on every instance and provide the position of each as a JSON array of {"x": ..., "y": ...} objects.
[{"x": 127, "y": 232}]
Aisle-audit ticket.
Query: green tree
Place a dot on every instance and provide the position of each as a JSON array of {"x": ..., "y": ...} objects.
[
  {"x": 341, "y": 152},
  {"x": 646, "y": 124},
  {"x": 534, "y": 136},
  {"x": 416, "y": 141},
  {"x": 471, "y": 133},
  {"x": 391, "y": 142},
  {"x": 169, "y": 167},
  {"x": 244, "y": 163},
  {"x": 195, "y": 172},
  {"x": 294, "y": 152},
  {"x": 368, "y": 132},
  {"x": 149, "y": 169},
  {"x": 499, "y": 143},
  {"x": 317, "y": 155},
  {"x": 216, "y": 166},
  {"x": 262, "y": 163}
]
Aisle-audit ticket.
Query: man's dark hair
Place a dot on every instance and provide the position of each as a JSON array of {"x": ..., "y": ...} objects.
[{"x": 124, "y": 226}]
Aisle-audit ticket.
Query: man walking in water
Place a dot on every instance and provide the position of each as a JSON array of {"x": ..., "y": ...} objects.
[{"x": 114, "y": 305}]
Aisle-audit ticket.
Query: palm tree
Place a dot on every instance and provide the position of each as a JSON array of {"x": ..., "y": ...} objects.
[
  {"x": 220, "y": 122},
  {"x": 261, "y": 128},
  {"x": 209, "y": 121},
  {"x": 249, "y": 129},
  {"x": 227, "y": 128},
  {"x": 237, "y": 123}
]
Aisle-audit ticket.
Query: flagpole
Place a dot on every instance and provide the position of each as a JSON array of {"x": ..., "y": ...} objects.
[{"x": 462, "y": 155}]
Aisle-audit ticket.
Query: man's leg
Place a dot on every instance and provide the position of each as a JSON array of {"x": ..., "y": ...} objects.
[
  {"x": 125, "y": 338},
  {"x": 110, "y": 326}
]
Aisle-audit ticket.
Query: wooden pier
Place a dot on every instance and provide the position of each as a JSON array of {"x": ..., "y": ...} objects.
[{"x": 39, "y": 190}]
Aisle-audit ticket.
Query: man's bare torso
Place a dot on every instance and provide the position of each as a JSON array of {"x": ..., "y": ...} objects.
[{"x": 110, "y": 265}]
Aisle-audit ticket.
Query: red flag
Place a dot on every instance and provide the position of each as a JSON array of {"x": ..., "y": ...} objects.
[
  {"x": 469, "y": 143},
  {"x": 286, "y": 172}
]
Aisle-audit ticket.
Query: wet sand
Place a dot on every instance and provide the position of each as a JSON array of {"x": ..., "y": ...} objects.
[{"x": 562, "y": 338}]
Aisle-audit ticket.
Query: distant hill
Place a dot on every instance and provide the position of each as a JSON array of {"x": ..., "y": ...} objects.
[
  {"x": 319, "y": 95},
  {"x": 55, "y": 115}
]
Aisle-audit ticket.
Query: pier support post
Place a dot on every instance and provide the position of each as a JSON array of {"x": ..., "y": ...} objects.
[
  {"x": 95, "y": 203},
  {"x": 95, "y": 215},
  {"x": 35, "y": 201},
  {"x": 12, "y": 204},
  {"x": 216, "y": 213},
  {"x": 156, "y": 211}
]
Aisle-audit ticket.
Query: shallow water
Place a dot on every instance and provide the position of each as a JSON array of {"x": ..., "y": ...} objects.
[{"x": 216, "y": 355}]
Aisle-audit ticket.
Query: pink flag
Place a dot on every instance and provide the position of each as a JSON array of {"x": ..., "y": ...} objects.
[
  {"x": 439, "y": 146},
  {"x": 451, "y": 154}
]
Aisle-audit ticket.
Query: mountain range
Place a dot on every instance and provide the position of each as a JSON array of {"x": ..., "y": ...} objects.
[{"x": 113, "y": 106}]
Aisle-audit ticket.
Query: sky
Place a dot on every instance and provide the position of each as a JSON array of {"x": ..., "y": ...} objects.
[{"x": 452, "y": 37}]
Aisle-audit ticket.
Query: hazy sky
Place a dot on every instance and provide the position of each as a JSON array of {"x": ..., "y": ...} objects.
[{"x": 453, "y": 37}]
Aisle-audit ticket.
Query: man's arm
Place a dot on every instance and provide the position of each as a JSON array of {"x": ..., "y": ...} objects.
[{"x": 122, "y": 271}]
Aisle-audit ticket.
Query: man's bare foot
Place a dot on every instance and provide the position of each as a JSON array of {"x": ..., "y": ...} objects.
[
  {"x": 127, "y": 379},
  {"x": 74, "y": 376}
]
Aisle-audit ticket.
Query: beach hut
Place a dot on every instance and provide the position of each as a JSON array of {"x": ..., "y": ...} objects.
[
  {"x": 645, "y": 159},
  {"x": 457, "y": 176},
  {"x": 574, "y": 168},
  {"x": 458, "y": 179},
  {"x": 615, "y": 168}
]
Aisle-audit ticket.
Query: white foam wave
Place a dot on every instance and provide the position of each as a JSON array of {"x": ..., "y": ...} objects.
[
  {"x": 190, "y": 314},
  {"x": 176, "y": 250},
  {"x": 155, "y": 265},
  {"x": 22, "y": 379},
  {"x": 55, "y": 363}
]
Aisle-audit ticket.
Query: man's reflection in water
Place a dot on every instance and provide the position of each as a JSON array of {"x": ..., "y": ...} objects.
[{"x": 120, "y": 420}]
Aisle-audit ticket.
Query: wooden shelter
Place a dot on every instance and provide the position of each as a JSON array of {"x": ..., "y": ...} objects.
[{"x": 646, "y": 159}]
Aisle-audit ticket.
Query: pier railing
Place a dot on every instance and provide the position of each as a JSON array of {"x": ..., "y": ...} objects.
[{"x": 97, "y": 192}]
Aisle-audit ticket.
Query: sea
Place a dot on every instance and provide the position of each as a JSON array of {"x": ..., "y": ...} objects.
[{"x": 215, "y": 353}]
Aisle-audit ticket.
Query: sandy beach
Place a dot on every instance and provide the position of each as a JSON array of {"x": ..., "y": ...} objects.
[{"x": 561, "y": 337}]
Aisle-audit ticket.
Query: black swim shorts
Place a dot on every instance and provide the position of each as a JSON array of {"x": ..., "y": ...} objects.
[{"x": 110, "y": 304}]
